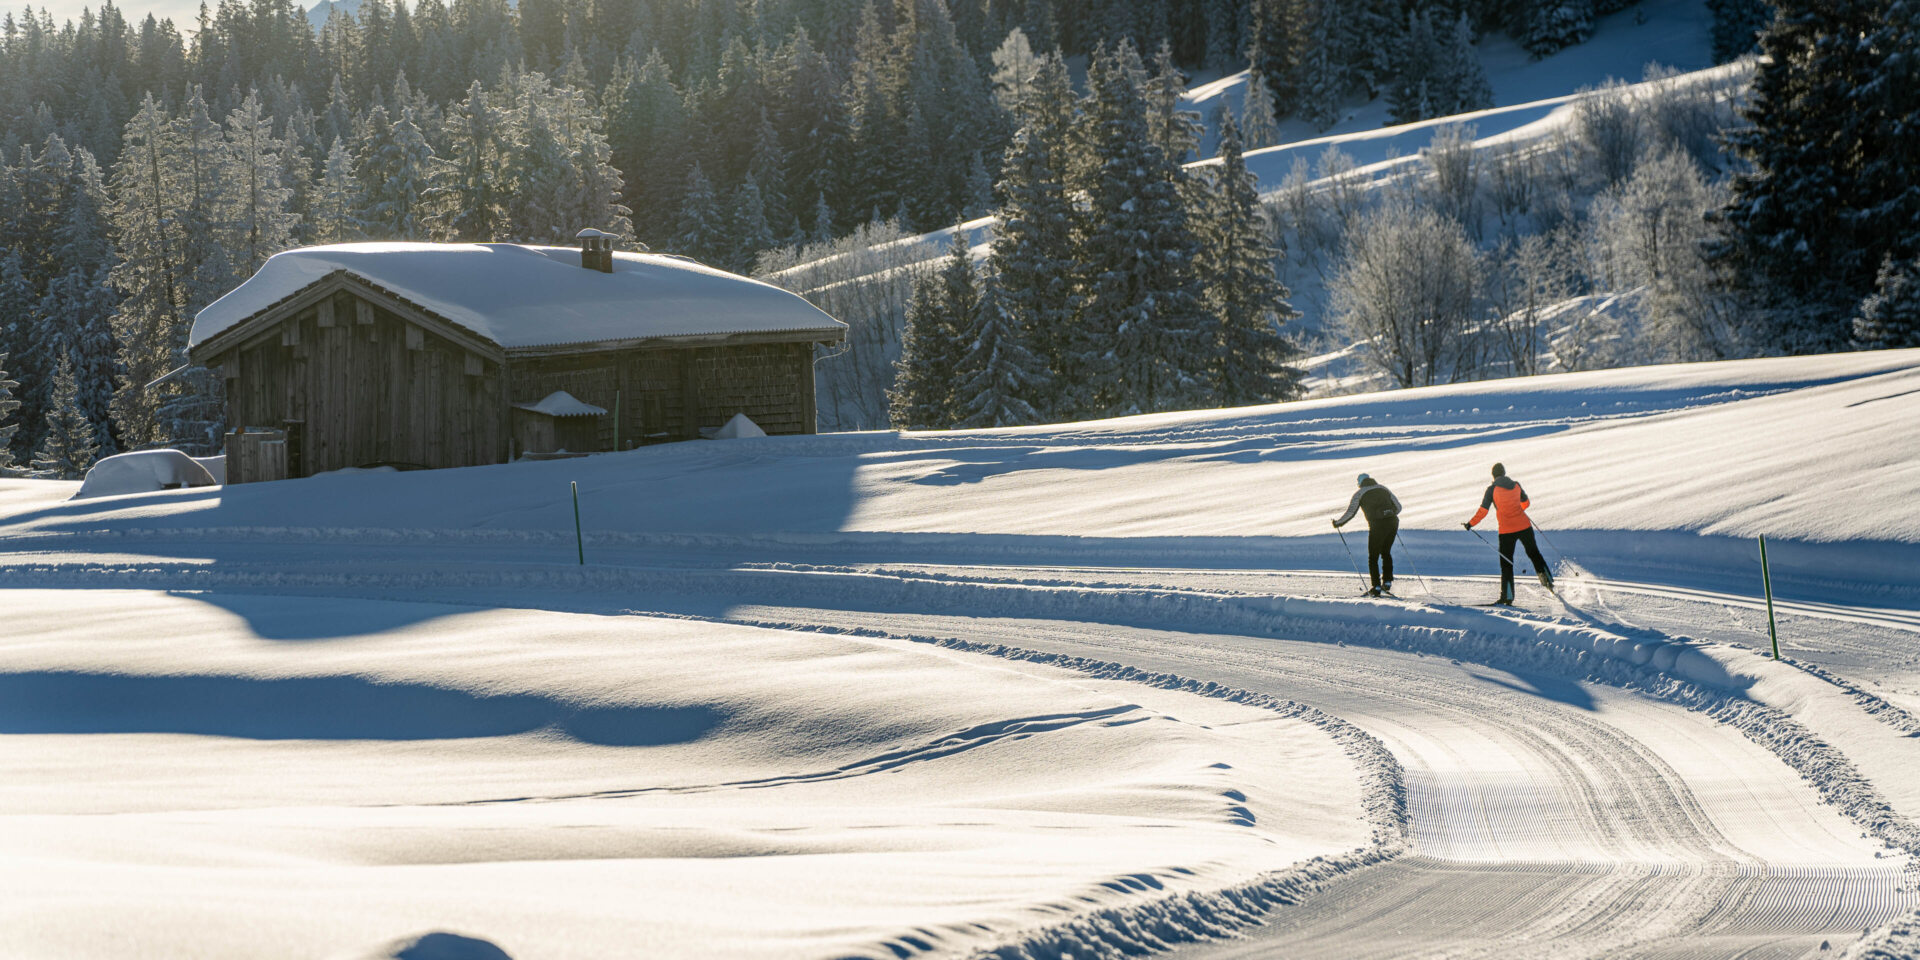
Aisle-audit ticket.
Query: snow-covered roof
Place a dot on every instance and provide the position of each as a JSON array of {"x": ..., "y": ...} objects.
[
  {"x": 528, "y": 296},
  {"x": 563, "y": 404}
]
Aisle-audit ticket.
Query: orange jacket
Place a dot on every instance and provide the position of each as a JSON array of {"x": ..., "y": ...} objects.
[{"x": 1508, "y": 499}]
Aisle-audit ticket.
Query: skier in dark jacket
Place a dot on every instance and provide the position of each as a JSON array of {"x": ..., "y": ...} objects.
[
  {"x": 1509, "y": 502},
  {"x": 1383, "y": 524}
]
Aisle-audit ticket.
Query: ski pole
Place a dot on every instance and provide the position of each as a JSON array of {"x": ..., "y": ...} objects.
[
  {"x": 1496, "y": 550},
  {"x": 1351, "y": 562},
  {"x": 1551, "y": 545},
  {"x": 1424, "y": 585}
]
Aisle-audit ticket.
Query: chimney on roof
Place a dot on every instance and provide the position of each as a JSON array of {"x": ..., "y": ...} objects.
[{"x": 596, "y": 249}]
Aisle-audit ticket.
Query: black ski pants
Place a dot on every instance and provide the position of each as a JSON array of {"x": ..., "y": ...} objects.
[
  {"x": 1524, "y": 537},
  {"x": 1380, "y": 549}
]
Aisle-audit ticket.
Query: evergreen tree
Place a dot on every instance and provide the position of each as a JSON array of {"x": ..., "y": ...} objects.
[
  {"x": 7, "y": 407},
  {"x": 1177, "y": 131},
  {"x": 749, "y": 229},
  {"x": 337, "y": 200},
  {"x": 69, "y": 446},
  {"x": 468, "y": 192},
  {"x": 701, "y": 229},
  {"x": 1832, "y": 189},
  {"x": 1737, "y": 25},
  {"x": 1890, "y": 315},
  {"x": 1552, "y": 25},
  {"x": 1033, "y": 248},
  {"x": 922, "y": 394},
  {"x": 263, "y": 219},
  {"x": 997, "y": 375},
  {"x": 147, "y": 230},
  {"x": 1248, "y": 301},
  {"x": 1141, "y": 339},
  {"x": 1322, "y": 81},
  {"x": 394, "y": 169},
  {"x": 1412, "y": 93},
  {"x": 1256, "y": 112}
]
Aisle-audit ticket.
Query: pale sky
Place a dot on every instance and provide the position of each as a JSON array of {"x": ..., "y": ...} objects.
[{"x": 183, "y": 13}]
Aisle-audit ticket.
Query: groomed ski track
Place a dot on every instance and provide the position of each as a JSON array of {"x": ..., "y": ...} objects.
[{"x": 1680, "y": 798}]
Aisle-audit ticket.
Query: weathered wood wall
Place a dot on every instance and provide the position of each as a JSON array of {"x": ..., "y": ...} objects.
[
  {"x": 370, "y": 387},
  {"x": 669, "y": 394}
]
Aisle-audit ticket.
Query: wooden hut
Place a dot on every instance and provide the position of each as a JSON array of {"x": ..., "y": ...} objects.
[{"x": 420, "y": 354}]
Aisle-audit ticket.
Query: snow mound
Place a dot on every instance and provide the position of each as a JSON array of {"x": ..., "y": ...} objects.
[
  {"x": 739, "y": 428},
  {"x": 145, "y": 471},
  {"x": 563, "y": 404},
  {"x": 527, "y": 296}
]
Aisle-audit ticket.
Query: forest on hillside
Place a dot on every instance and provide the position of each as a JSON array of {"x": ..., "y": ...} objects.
[{"x": 146, "y": 168}]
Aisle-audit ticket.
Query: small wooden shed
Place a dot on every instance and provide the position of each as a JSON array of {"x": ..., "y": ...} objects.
[{"x": 420, "y": 354}]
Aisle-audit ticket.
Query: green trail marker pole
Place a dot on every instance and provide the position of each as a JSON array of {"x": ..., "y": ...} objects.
[
  {"x": 616, "y": 420},
  {"x": 579, "y": 545},
  {"x": 1766, "y": 583}
]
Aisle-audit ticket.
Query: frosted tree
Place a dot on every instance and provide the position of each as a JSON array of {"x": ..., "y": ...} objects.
[
  {"x": 1890, "y": 315},
  {"x": 69, "y": 445},
  {"x": 146, "y": 187},
  {"x": 768, "y": 167},
  {"x": 646, "y": 130},
  {"x": 263, "y": 218},
  {"x": 1177, "y": 131},
  {"x": 8, "y": 405},
  {"x": 1142, "y": 339},
  {"x": 1415, "y": 89},
  {"x": 922, "y": 394},
  {"x": 1014, "y": 67},
  {"x": 1262, "y": 128},
  {"x": 701, "y": 228},
  {"x": 748, "y": 227},
  {"x": 79, "y": 301},
  {"x": 337, "y": 200},
  {"x": 1322, "y": 74},
  {"x": 538, "y": 170},
  {"x": 1408, "y": 290},
  {"x": 996, "y": 374},
  {"x": 1462, "y": 76},
  {"x": 1033, "y": 248},
  {"x": 1249, "y": 303},
  {"x": 1551, "y": 25},
  {"x": 469, "y": 193},
  {"x": 395, "y": 169}
]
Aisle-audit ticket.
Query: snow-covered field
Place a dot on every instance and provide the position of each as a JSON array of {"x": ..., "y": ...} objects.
[{"x": 1081, "y": 689}]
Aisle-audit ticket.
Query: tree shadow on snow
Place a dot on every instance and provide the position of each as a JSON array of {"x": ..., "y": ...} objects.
[
  {"x": 322, "y": 708},
  {"x": 1549, "y": 688}
]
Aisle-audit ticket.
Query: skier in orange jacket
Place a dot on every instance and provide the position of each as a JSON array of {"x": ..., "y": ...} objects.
[{"x": 1509, "y": 502}]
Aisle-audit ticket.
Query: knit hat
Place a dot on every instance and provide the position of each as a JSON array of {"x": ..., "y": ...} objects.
[
  {"x": 1363, "y": 480},
  {"x": 1499, "y": 469}
]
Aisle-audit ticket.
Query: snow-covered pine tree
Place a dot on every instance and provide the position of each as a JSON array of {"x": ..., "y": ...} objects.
[
  {"x": 265, "y": 223},
  {"x": 1142, "y": 339},
  {"x": 1322, "y": 74},
  {"x": 1809, "y": 225},
  {"x": 1248, "y": 301},
  {"x": 922, "y": 393},
  {"x": 1273, "y": 46},
  {"x": 748, "y": 225},
  {"x": 997, "y": 376},
  {"x": 590, "y": 196},
  {"x": 1890, "y": 315},
  {"x": 701, "y": 231},
  {"x": 468, "y": 194},
  {"x": 538, "y": 171},
  {"x": 646, "y": 130},
  {"x": 1033, "y": 248},
  {"x": 8, "y": 405},
  {"x": 1462, "y": 78},
  {"x": 1177, "y": 131},
  {"x": 337, "y": 199},
  {"x": 70, "y": 444},
  {"x": 146, "y": 189},
  {"x": 1225, "y": 49},
  {"x": 395, "y": 170},
  {"x": 79, "y": 301},
  {"x": 1256, "y": 112},
  {"x": 768, "y": 166},
  {"x": 1414, "y": 88},
  {"x": 1552, "y": 25}
]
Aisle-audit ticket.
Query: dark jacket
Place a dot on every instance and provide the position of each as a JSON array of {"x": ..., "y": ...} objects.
[{"x": 1376, "y": 501}]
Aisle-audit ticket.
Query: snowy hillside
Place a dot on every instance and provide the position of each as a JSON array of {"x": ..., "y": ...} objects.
[{"x": 1097, "y": 687}]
